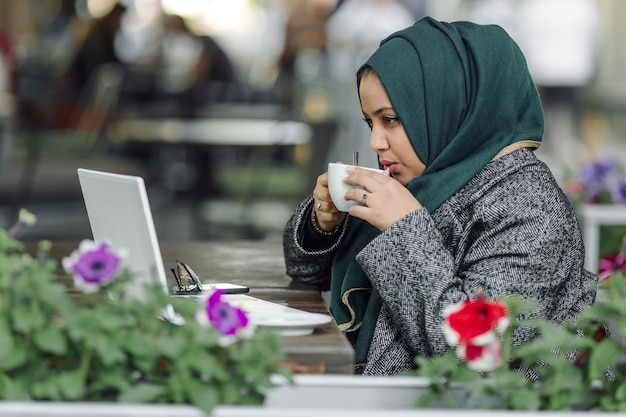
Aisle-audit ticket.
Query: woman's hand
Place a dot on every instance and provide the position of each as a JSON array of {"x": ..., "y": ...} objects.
[
  {"x": 328, "y": 217},
  {"x": 385, "y": 200}
]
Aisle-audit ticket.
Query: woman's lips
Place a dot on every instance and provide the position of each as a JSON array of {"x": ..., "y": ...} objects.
[{"x": 391, "y": 166}]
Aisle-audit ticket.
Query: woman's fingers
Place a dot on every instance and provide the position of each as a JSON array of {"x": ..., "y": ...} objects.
[
  {"x": 367, "y": 178},
  {"x": 383, "y": 200}
]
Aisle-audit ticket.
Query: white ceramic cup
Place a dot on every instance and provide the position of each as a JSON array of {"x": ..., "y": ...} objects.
[{"x": 338, "y": 189}]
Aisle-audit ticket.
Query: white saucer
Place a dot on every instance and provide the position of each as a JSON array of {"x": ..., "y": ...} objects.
[
  {"x": 283, "y": 320},
  {"x": 292, "y": 325}
]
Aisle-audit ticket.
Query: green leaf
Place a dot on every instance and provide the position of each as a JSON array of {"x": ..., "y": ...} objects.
[
  {"x": 55, "y": 296},
  {"x": 427, "y": 399},
  {"x": 552, "y": 336},
  {"x": 597, "y": 310},
  {"x": 462, "y": 374},
  {"x": 108, "y": 349},
  {"x": 620, "y": 393},
  {"x": 114, "y": 322},
  {"x": 621, "y": 326},
  {"x": 518, "y": 306},
  {"x": 116, "y": 378},
  {"x": 572, "y": 379},
  {"x": 602, "y": 356},
  {"x": 12, "y": 356},
  {"x": 50, "y": 340},
  {"x": 170, "y": 346},
  {"x": 437, "y": 366},
  {"x": 27, "y": 317},
  {"x": 230, "y": 393},
  {"x": 72, "y": 385},
  {"x": 204, "y": 397},
  {"x": 143, "y": 364},
  {"x": 141, "y": 393},
  {"x": 137, "y": 345},
  {"x": 200, "y": 361},
  {"x": 7, "y": 243},
  {"x": 608, "y": 403},
  {"x": 525, "y": 399},
  {"x": 46, "y": 389},
  {"x": 13, "y": 390}
]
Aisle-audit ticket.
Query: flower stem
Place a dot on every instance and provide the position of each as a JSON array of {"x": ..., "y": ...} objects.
[
  {"x": 85, "y": 361},
  {"x": 448, "y": 398},
  {"x": 555, "y": 387}
]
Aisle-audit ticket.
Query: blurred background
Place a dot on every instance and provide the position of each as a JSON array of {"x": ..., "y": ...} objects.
[{"x": 127, "y": 87}]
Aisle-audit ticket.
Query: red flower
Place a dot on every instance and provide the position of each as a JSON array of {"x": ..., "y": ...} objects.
[
  {"x": 471, "y": 327},
  {"x": 473, "y": 318}
]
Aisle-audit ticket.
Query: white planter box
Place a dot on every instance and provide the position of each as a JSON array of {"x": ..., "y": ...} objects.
[
  {"x": 311, "y": 396},
  {"x": 348, "y": 392},
  {"x": 94, "y": 409},
  {"x": 359, "y": 396}
]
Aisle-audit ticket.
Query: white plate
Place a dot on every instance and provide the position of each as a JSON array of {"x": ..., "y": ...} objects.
[
  {"x": 281, "y": 319},
  {"x": 296, "y": 325}
]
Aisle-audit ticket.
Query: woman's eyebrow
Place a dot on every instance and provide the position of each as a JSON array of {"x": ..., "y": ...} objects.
[{"x": 382, "y": 109}]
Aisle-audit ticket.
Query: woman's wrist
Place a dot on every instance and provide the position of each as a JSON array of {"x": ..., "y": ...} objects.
[{"x": 318, "y": 229}]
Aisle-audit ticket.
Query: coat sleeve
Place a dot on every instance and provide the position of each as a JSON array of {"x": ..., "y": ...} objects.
[{"x": 306, "y": 264}]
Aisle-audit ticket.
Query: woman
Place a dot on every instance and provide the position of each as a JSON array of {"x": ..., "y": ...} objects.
[{"x": 463, "y": 206}]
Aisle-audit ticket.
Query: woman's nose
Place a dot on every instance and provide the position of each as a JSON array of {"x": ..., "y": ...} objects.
[{"x": 378, "y": 141}]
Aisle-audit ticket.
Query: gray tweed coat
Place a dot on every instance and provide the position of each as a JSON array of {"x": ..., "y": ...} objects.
[{"x": 509, "y": 230}]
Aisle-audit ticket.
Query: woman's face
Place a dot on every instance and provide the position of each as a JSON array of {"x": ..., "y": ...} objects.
[{"x": 388, "y": 138}]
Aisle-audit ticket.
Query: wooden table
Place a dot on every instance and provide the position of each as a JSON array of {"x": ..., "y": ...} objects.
[{"x": 259, "y": 265}]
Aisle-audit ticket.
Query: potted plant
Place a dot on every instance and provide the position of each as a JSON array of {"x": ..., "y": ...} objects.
[
  {"x": 569, "y": 366},
  {"x": 86, "y": 339}
]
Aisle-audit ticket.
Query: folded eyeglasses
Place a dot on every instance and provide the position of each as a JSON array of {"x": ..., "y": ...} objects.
[{"x": 186, "y": 279}]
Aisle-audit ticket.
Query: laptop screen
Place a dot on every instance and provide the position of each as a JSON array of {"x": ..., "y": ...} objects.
[{"x": 119, "y": 212}]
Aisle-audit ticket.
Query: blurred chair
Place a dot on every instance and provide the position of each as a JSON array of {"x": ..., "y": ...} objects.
[
  {"x": 95, "y": 107},
  {"x": 42, "y": 169}
]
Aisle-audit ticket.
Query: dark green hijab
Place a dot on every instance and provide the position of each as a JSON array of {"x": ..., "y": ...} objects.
[{"x": 463, "y": 94}]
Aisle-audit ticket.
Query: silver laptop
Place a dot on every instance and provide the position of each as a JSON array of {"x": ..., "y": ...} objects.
[{"x": 119, "y": 212}]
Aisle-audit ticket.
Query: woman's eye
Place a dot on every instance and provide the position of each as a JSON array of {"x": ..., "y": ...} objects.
[{"x": 387, "y": 120}]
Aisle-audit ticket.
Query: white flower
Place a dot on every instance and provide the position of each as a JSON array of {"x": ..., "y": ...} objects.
[{"x": 481, "y": 358}]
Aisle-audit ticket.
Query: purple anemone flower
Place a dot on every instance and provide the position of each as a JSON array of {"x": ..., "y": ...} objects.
[
  {"x": 597, "y": 170},
  {"x": 596, "y": 176},
  {"x": 618, "y": 191},
  {"x": 93, "y": 265},
  {"x": 225, "y": 318},
  {"x": 229, "y": 321}
]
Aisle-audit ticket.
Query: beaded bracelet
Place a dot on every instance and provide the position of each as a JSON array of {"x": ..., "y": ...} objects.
[{"x": 318, "y": 229}]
